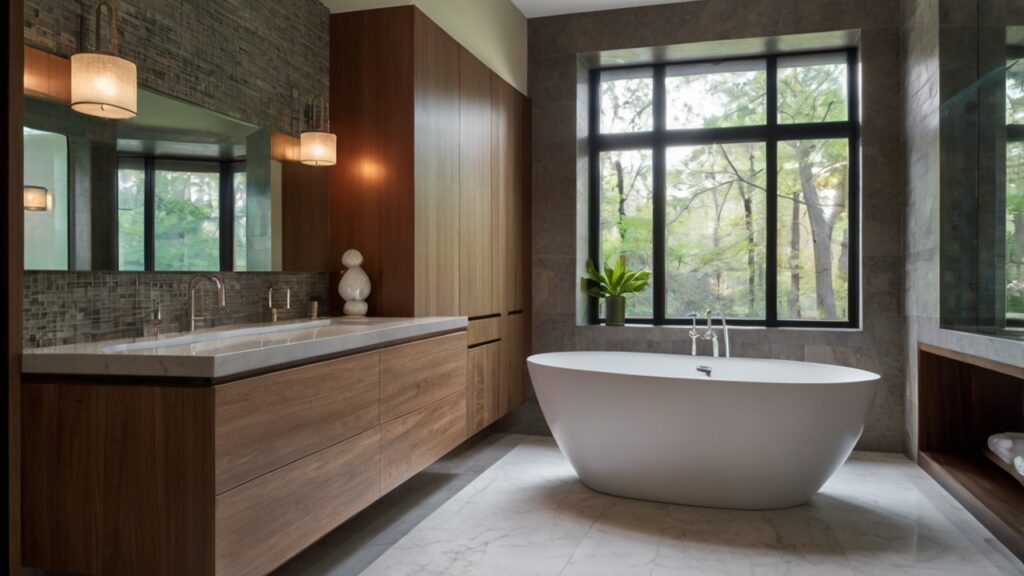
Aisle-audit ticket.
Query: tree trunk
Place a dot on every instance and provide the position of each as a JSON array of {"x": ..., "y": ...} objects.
[
  {"x": 821, "y": 236},
  {"x": 793, "y": 301},
  {"x": 620, "y": 187}
]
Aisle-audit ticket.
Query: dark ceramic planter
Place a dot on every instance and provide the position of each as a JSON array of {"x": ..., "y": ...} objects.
[{"x": 615, "y": 310}]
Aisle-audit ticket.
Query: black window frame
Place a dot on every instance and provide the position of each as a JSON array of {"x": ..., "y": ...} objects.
[
  {"x": 771, "y": 133},
  {"x": 226, "y": 198}
]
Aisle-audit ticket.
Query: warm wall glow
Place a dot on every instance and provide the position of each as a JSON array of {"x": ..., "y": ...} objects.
[
  {"x": 370, "y": 170},
  {"x": 104, "y": 85},
  {"x": 37, "y": 199},
  {"x": 318, "y": 148}
]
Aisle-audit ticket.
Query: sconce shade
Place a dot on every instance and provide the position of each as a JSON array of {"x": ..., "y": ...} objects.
[
  {"x": 104, "y": 85},
  {"x": 318, "y": 149},
  {"x": 36, "y": 199}
]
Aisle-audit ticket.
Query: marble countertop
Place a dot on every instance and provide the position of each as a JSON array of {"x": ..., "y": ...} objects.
[{"x": 218, "y": 353}]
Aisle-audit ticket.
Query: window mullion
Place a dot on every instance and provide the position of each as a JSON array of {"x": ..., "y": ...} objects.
[
  {"x": 659, "y": 177},
  {"x": 771, "y": 273},
  {"x": 149, "y": 215}
]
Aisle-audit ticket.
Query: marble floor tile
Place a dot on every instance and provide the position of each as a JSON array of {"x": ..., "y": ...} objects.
[{"x": 529, "y": 515}]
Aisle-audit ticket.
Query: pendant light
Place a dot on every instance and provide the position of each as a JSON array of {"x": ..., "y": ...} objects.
[
  {"x": 36, "y": 199},
  {"x": 102, "y": 83},
  {"x": 317, "y": 146}
]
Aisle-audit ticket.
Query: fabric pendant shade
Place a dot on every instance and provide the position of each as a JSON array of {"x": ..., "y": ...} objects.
[
  {"x": 102, "y": 83},
  {"x": 318, "y": 146},
  {"x": 36, "y": 199}
]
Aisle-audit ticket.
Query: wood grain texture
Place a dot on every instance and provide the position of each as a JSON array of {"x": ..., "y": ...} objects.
[
  {"x": 414, "y": 441},
  {"x": 373, "y": 184},
  {"x": 284, "y": 148},
  {"x": 305, "y": 218},
  {"x": 14, "y": 215},
  {"x": 437, "y": 246},
  {"x": 118, "y": 479},
  {"x": 1002, "y": 368},
  {"x": 512, "y": 390},
  {"x": 264, "y": 522},
  {"x": 482, "y": 387},
  {"x": 518, "y": 227},
  {"x": 484, "y": 330},
  {"x": 987, "y": 492},
  {"x": 266, "y": 422},
  {"x": 417, "y": 374},
  {"x": 47, "y": 76},
  {"x": 962, "y": 400},
  {"x": 475, "y": 197},
  {"x": 501, "y": 189}
]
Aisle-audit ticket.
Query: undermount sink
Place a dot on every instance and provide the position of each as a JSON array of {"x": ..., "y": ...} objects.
[{"x": 219, "y": 334}]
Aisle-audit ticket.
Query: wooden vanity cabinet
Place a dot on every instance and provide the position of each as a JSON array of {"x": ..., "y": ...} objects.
[{"x": 170, "y": 478}]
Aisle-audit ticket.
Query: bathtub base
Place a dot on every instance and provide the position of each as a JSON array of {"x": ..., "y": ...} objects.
[{"x": 761, "y": 435}]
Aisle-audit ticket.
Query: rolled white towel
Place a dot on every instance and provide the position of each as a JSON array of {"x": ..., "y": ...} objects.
[
  {"x": 1018, "y": 463},
  {"x": 1008, "y": 446}
]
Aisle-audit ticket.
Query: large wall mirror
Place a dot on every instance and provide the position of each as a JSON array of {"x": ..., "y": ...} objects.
[
  {"x": 177, "y": 188},
  {"x": 982, "y": 169}
]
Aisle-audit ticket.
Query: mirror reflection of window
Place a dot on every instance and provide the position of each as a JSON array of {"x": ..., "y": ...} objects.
[
  {"x": 240, "y": 187},
  {"x": 1015, "y": 194},
  {"x": 46, "y": 223},
  {"x": 187, "y": 223}
]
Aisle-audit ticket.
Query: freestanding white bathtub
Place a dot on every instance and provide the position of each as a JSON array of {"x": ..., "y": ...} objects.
[{"x": 754, "y": 435}]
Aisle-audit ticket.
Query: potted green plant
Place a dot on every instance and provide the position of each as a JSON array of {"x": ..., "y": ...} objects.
[{"x": 613, "y": 285}]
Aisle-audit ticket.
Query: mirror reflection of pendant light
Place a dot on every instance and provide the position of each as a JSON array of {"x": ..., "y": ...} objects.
[
  {"x": 317, "y": 146},
  {"x": 37, "y": 199},
  {"x": 102, "y": 83}
]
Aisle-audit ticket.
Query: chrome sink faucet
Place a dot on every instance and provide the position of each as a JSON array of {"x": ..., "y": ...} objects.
[{"x": 192, "y": 285}]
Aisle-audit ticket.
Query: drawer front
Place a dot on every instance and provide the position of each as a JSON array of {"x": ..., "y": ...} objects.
[
  {"x": 267, "y": 521},
  {"x": 483, "y": 387},
  {"x": 417, "y": 374},
  {"x": 484, "y": 330},
  {"x": 416, "y": 440},
  {"x": 266, "y": 422}
]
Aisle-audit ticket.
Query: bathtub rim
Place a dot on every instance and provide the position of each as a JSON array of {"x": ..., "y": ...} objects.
[{"x": 857, "y": 375}]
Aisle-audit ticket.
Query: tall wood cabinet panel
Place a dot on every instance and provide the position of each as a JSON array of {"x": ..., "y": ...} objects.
[
  {"x": 373, "y": 184},
  {"x": 475, "y": 201},
  {"x": 433, "y": 177},
  {"x": 437, "y": 149}
]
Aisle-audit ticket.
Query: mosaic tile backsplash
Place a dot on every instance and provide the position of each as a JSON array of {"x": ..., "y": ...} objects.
[{"x": 72, "y": 307}]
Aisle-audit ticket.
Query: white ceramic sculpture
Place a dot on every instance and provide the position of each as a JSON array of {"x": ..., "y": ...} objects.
[{"x": 354, "y": 286}]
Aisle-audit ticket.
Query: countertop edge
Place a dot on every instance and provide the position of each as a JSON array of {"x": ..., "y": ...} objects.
[{"x": 222, "y": 367}]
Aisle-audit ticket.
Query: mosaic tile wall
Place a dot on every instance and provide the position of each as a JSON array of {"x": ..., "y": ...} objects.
[{"x": 72, "y": 307}]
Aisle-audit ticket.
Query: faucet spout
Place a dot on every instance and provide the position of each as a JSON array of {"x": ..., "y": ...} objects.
[{"x": 192, "y": 285}]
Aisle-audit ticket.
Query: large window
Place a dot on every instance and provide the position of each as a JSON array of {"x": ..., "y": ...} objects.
[
  {"x": 177, "y": 215},
  {"x": 735, "y": 182}
]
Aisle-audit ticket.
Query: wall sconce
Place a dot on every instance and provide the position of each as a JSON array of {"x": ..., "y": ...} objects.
[
  {"x": 37, "y": 199},
  {"x": 102, "y": 83},
  {"x": 317, "y": 146}
]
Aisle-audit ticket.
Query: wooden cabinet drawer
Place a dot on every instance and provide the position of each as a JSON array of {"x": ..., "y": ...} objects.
[
  {"x": 415, "y": 375},
  {"x": 482, "y": 388},
  {"x": 266, "y": 422},
  {"x": 266, "y": 521},
  {"x": 414, "y": 441},
  {"x": 484, "y": 330}
]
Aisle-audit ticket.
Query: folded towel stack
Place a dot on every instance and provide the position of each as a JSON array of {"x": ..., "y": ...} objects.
[{"x": 1009, "y": 447}]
